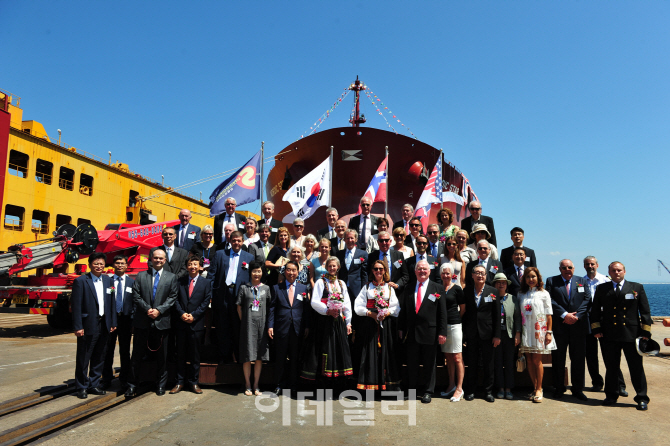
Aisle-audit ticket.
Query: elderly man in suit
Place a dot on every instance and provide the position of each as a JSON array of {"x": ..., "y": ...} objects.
[
  {"x": 481, "y": 332},
  {"x": 195, "y": 293},
  {"x": 268, "y": 210},
  {"x": 230, "y": 216},
  {"x": 620, "y": 315},
  {"x": 125, "y": 308},
  {"x": 187, "y": 234},
  {"x": 329, "y": 231},
  {"x": 571, "y": 302},
  {"x": 395, "y": 261},
  {"x": 337, "y": 243},
  {"x": 422, "y": 325},
  {"x": 476, "y": 217},
  {"x": 421, "y": 243},
  {"x": 154, "y": 294},
  {"x": 515, "y": 272},
  {"x": 407, "y": 212},
  {"x": 517, "y": 242},
  {"x": 364, "y": 224},
  {"x": 176, "y": 256},
  {"x": 354, "y": 271},
  {"x": 93, "y": 318},
  {"x": 288, "y": 324},
  {"x": 492, "y": 266},
  {"x": 229, "y": 271}
]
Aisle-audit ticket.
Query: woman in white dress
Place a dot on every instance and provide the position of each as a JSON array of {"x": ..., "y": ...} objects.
[
  {"x": 399, "y": 236},
  {"x": 452, "y": 254},
  {"x": 537, "y": 338}
]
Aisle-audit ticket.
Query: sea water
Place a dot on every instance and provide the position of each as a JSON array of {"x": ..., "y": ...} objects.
[{"x": 658, "y": 295}]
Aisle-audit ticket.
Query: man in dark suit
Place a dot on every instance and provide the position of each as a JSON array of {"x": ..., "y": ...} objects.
[
  {"x": 435, "y": 246},
  {"x": 93, "y": 318},
  {"x": 228, "y": 272},
  {"x": 517, "y": 242},
  {"x": 395, "y": 261},
  {"x": 288, "y": 324},
  {"x": 422, "y": 325},
  {"x": 415, "y": 230},
  {"x": 261, "y": 248},
  {"x": 620, "y": 314},
  {"x": 354, "y": 272},
  {"x": 187, "y": 234},
  {"x": 195, "y": 293},
  {"x": 154, "y": 294},
  {"x": 268, "y": 210},
  {"x": 492, "y": 266},
  {"x": 364, "y": 224},
  {"x": 337, "y": 243},
  {"x": 476, "y": 217},
  {"x": 176, "y": 257},
  {"x": 570, "y": 302},
  {"x": 407, "y": 212},
  {"x": 515, "y": 272},
  {"x": 124, "y": 306},
  {"x": 329, "y": 231},
  {"x": 421, "y": 254},
  {"x": 481, "y": 332},
  {"x": 230, "y": 216}
]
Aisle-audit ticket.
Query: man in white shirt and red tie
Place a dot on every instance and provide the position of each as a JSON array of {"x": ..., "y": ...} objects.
[
  {"x": 422, "y": 326},
  {"x": 187, "y": 234},
  {"x": 268, "y": 210},
  {"x": 365, "y": 224}
]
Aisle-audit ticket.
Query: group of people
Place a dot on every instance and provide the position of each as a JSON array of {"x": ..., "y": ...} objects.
[{"x": 355, "y": 302}]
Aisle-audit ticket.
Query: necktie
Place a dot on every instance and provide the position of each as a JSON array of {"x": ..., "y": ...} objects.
[
  {"x": 340, "y": 244},
  {"x": 617, "y": 290},
  {"x": 119, "y": 296},
  {"x": 418, "y": 297},
  {"x": 567, "y": 288},
  {"x": 420, "y": 256},
  {"x": 190, "y": 288},
  {"x": 265, "y": 250},
  {"x": 434, "y": 250},
  {"x": 169, "y": 253},
  {"x": 479, "y": 298},
  {"x": 291, "y": 291},
  {"x": 361, "y": 237},
  {"x": 519, "y": 273},
  {"x": 387, "y": 260},
  {"x": 348, "y": 258},
  {"x": 183, "y": 234},
  {"x": 232, "y": 269},
  {"x": 406, "y": 227},
  {"x": 153, "y": 295}
]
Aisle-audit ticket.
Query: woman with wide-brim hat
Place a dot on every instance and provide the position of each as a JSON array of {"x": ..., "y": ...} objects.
[{"x": 480, "y": 232}]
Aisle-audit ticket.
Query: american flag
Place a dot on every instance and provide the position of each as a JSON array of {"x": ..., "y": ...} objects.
[{"x": 432, "y": 193}]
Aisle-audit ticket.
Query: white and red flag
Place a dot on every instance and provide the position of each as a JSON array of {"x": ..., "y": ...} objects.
[{"x": 377, "y": 189}]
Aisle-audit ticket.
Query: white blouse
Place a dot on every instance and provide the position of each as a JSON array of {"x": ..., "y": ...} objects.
[
  {"x": 367, "y": 292},
  {"x": 321, "y": 307}
]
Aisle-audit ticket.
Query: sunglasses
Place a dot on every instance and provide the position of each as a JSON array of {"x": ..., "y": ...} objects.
[
  {"x": 482, "y": 248},
  {"x": 433, "y": 232},
  {"x": 415, "y": 225},
  {"x": 208, "y": 234},
  {"x": 451, "y": 244},
  {"x": 298, "y": 226},
  {"x": 377, "y": 269},
  {"x": 421, "y": 243},
  {"x": 567, "y": 267},
  {"x": 365, "y": 205},
  {"x": 475, "y": 209},
  {"x": 384, "y": 240}
]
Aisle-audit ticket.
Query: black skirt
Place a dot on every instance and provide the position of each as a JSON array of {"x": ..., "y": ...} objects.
[
  {"x": 335, "y": 354},
  {"x": 378, "y": 368},
  {"x": 311, "y": 348}
]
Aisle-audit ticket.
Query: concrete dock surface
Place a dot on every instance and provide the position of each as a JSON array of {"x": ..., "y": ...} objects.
[{"x": 34, "y": 356}]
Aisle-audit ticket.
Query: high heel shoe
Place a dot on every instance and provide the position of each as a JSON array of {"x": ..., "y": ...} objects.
[
  {"x": 455, "y": 399},
  {"x": 538, "y": 399}
]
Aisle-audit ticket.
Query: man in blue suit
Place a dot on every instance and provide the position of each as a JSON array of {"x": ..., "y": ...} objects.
[
  {"x": 229, "y": 271},
  {"x": 187, "y": 234},
  {"x": 354, "y": 261},
  {"x": 571, "y": 302},
  {"x": 195, "y": 293},
  {"x": 288, "y": 325},
  {"x": 93, "y": 317},
  {"x": 123, "y": 304}
]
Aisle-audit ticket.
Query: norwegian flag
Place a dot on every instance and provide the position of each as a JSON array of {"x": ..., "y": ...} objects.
[
  {"x": 432, "y": 193},
  {"x": 377, "y": 189}
]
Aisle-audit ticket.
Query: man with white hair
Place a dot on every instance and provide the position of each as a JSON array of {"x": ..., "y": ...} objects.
[
  {"x": 187, "y": 234},
  {"x": 329, "y": 231},
  {"x": 268, "y": 210},
  {"x": 476, "y": 217},
  {"x": 230, "y": 216},
  {"x": 407, "y": 213},
  {"x": 491, "y": 265},
  {"x": 365, "y": 224}
]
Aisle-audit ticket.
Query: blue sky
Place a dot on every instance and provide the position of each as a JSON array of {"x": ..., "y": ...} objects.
[{"x": 556, "y": 111}]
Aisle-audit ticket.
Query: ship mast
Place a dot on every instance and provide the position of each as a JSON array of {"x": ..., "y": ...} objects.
[{"x": 357, "y": 119}]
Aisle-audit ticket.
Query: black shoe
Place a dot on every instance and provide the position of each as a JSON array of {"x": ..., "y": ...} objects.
[
  {"x": 580, "y": 396},
  {"x": 96, "y": 391},
  {"x": 558, "y": 395},
  {"x": 130, "y": 392},
  {"x": 489, "y": 398},
  {"x": 622, "y": 392},
  {"x": 469, "y": 397},
  {"x": 104, "y": 385},
  {"x": 641, "y": 405},
  {"x": 609, "y": 402},
  {"x": 596, "y": 388},
  {"x": 160, "y": 391},
  {"x": 425, "y": 399},
  {"x": 82, "y": 395}
]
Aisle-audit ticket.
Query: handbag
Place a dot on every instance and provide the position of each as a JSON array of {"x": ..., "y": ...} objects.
[{"x": 521, "y": 362}]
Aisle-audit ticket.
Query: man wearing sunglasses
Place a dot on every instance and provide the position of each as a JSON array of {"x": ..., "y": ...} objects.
[
  {"x": 365, "y": 224},
  {"x": 491, "y": 265},
  {"x": 476, "y": 217},
  {"x": 415, "y": 230},
  {"x": 570, "y": 302},
  {"x": 395, "y": 261},
  {"x": 422, "y": 254},
  {"x": 435, "y": 246}
]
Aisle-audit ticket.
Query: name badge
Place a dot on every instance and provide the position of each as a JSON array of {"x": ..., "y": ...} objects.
[
  {"x": 442, "y": 255},
  {"x": 274, "y": 230},
  {"x": 357, "y": 261},
  {"x": 493, "y": 270},
  {"x": 432, "y": 266},
  {"x": 241, "y": 226},
  {"x": 580, "y": 289},
  {"x": 431, "y": 298},
  {"x": 527, "y": 259},
  {"x": 255, "y": 308},
  {"x": 374, "y": 227},
  {"x": 299, "y": 297},
  {"x": 629, "y": 297},
  {"x": 205, "y": 263},
  {"x": 191, "y": 236},
  {"x": 109, "y": 291},
  {"x": 129, "y": 289},
  {"x": 488, "y": 299},
  {"x": 397, "y": 264}
]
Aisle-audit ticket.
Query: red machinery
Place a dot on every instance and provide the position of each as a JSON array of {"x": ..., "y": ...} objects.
[{"x": 50, "y": 293}]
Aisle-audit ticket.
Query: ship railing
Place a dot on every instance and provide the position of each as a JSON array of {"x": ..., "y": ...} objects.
[
  {"x": 43, "y": 178},
  {"x": 19, "y": 171},
  {"x": 13, "y": 223},
  {"x": 65, "y": 184},
  {"x": 10, "y": 98},
  {"x": 39, "y": 228}
]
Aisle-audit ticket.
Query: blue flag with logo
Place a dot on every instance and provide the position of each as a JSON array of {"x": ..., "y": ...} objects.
[{"x": 244, "y": 186}]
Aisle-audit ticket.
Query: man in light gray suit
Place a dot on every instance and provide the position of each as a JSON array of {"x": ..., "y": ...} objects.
[{"x": 154, "y": 293}]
